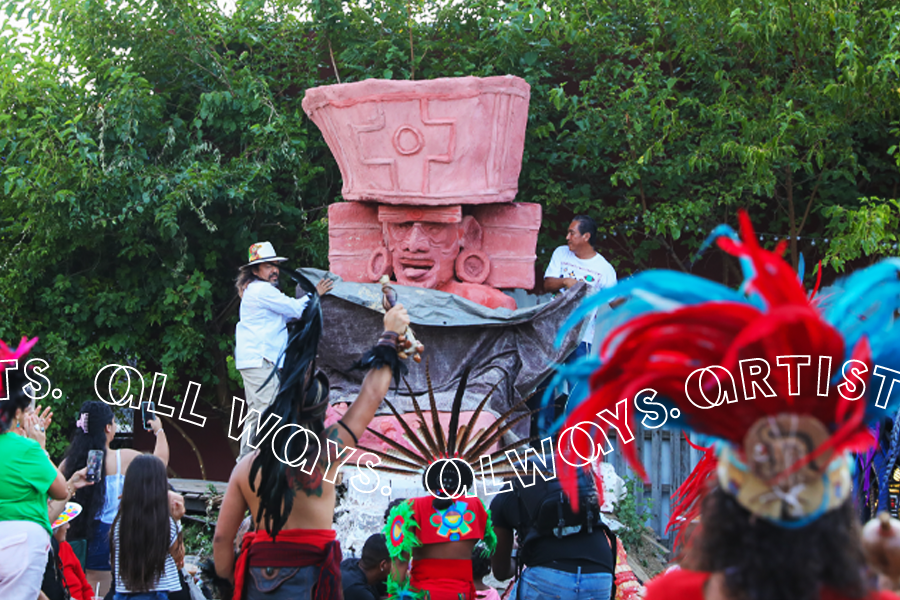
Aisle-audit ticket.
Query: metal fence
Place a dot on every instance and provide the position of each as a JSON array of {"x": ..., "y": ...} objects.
[{"x": 668, "y": 460}]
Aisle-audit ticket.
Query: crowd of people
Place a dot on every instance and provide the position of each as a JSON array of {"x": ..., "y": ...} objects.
[{"x": 771, "y": 504}]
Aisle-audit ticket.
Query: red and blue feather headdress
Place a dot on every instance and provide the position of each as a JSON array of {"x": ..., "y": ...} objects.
[{"x": 676, "y": 323}]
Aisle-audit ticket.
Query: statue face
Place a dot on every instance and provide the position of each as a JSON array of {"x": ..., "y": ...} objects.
[{"x": 423, "y": 254}]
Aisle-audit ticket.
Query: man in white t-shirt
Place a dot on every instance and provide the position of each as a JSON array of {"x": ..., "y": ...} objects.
[
  {"x": 578, "y": 261},
  {"x": 261, "y": 334},
  {"x": 574, "y": 262}
]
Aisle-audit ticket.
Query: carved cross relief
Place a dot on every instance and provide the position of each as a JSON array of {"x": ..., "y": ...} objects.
[{"x": 416, "y": 141}]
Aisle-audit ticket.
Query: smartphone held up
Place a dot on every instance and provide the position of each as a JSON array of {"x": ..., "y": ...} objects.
[
  {"x": 148, "y": 414},
  {"x": 94, "y": 466}
]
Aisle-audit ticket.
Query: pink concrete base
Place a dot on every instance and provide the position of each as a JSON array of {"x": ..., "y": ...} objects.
[{"x": 388, "y": 426}]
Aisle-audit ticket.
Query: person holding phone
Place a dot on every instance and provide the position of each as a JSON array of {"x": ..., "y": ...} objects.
[
  {"x": 146, "y": 543},
  {"x": 89, "y": 536},
  {"x": 27, "y": 478}
]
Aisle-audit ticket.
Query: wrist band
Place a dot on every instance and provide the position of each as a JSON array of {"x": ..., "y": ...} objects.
[
  {"x": 384, "y": 353},
  {"x": 344, "y": 425},
  {"x": 389, "y": 339}
]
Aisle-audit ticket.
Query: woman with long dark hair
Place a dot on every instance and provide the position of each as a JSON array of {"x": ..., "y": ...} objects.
[
  {"x": 95, "y": 429},
  {"x": 145, "y": 536},
  {"x": 27, "y": 478}
]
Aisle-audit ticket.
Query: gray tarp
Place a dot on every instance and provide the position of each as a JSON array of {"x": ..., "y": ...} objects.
[{"x": 515, "y": 347}]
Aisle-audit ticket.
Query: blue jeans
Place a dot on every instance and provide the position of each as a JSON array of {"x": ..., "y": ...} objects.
[
  {"x": 542, "y": 582},
  {"x": 294, "y": 583},
  {"x": 142, "y": 596},
  {"x": 98, "y": 548}
]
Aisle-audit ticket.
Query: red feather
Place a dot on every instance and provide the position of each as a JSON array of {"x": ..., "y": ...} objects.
[{"x": 661, "y": 350}]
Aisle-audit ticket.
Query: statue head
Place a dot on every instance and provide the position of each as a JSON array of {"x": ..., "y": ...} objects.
[{"x": 429, "y": 246}]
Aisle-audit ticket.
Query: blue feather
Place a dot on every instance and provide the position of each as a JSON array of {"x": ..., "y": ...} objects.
[
  {"x": 719, "y": 231},
  {"x": 673, "y": 286},
  {"x": 867, "y": 304}
]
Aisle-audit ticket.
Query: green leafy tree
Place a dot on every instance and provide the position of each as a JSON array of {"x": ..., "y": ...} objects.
[{"x": 144, "y": 146}]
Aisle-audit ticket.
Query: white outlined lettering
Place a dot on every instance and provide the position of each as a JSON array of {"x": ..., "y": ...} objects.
[
  {"x": 252, "y": 415},
  {"x": 722, "y": 394},
  {"x": 754, "y": 374},
  {"x": 302, "y": 459},
  {"x": 38, "y": 370},
  {"x": 793, "y": 360},
  {"x": 190, "y": 395},
  {"x": 369, "y": 464},
  {"x": 9, "y": 365},
  {"x": 125, "y": 399},
  {"x": 614, "y": 421},
  {"x": 882, "y": 372},
  {"x": 156, "y": 390},
  {"x": 488, "y": 467},
  {"x": 338, "y": 452},
  {"x": 848, "y": 386},
  {"x": 643, "y": 400},
  {"x": 595, "y": 450},
  {"x": 546, "y": 451},
  {"x": 820, "y": 389}
]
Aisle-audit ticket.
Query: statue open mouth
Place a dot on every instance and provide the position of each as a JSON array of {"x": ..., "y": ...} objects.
[{"x": 416, "y": 268}]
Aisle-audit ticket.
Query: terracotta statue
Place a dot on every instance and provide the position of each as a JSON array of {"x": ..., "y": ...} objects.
[{"x": 431, "y": 169}]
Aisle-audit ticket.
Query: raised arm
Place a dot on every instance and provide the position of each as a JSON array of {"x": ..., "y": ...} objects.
[
  {"x": 374, "y": 388},
  {"x": 161, "y": 450}
]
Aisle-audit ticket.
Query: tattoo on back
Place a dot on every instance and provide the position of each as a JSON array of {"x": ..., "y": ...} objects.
[{"x": 309, "y": 484}]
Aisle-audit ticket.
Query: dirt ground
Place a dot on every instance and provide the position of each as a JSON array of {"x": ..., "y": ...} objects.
[{"x": 648, "y": 560}]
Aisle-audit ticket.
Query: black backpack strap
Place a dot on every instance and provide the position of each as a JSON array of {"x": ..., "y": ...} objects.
[{"x": 614, "y": 547}]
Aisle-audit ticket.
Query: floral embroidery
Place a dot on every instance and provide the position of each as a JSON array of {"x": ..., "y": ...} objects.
[{"x": 453, "y": 522}]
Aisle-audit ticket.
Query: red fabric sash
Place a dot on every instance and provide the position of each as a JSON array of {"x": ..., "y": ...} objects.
[
  {"x": 443, "y": 578},
  {"x": 293, "y": 548}
]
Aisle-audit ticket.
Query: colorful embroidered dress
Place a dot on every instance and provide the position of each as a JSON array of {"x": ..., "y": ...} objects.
[{"x": 417, "y": 522}]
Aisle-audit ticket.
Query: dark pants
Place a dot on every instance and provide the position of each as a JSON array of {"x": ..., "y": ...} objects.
[
  {"x": 543, "y": 420},
  {"x": 98, "y": 548}
]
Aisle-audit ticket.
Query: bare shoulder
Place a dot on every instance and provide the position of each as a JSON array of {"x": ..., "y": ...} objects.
[
  {"x": 127, "y": 454},
  {"x": 240, "y": 474}
]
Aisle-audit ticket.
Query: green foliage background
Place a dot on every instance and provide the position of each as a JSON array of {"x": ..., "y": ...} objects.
[{"x": 144, "y": 145}]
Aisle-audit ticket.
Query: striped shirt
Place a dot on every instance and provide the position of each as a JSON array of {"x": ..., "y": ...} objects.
[{"x": 169, "y": 582}]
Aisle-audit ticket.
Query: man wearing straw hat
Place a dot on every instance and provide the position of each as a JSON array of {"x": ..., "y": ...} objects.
[{"x": 261, "y": 334}]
